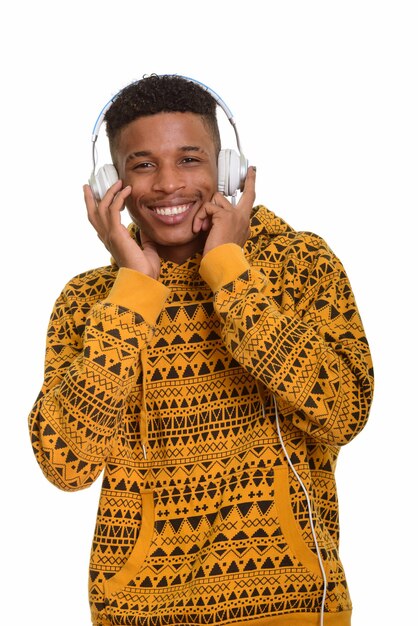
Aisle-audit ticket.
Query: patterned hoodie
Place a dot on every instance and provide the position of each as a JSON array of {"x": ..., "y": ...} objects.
[{"x": 216, "y": 400}]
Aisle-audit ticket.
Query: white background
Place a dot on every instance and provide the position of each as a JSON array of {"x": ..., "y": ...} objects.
[{"x": 326, "y": 100}]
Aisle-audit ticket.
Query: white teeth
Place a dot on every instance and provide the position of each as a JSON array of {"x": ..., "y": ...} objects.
[{"x": 172, "y": 210}]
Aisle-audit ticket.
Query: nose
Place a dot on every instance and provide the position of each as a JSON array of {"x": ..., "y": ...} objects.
[{"x": 168, "y": 178}]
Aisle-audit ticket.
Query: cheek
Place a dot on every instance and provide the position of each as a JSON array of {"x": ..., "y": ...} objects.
[
  {"x": 136, "y": 195},
  {"x": 207, "y": 182},
  {"x": 215, "y": 176}
]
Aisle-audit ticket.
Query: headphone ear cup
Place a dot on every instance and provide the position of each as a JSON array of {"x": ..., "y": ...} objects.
[
  {"x": 103, "y": 180},
  {"x": 232, "y": 170}
]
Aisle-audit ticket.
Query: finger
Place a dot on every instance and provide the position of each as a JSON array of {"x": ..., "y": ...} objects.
[
  {"x": 117, "y": 206},
  {"x": 221, "y": 201},
  {"x": 102, "y": 206},
  {"x": 92, "y": 211},
  {"x": 202, "y": 219},
  {"x": 205, "y": 225},
  {"x": 111, "y": 193},
  {"x": 201, "y": 224},
  {"x": 249, "y": 185},
  {"x": 89, "y": 200},
  {"x": 94, "y": 208},
  {"x": 247, "y": 199},
  {"x": 107, "y": 213}
]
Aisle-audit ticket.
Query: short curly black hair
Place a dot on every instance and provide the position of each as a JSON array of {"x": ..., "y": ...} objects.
[{"x": 157, "y": 94}]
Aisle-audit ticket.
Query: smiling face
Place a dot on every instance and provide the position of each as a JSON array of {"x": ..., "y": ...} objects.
[{"x": 170, "y": 161}]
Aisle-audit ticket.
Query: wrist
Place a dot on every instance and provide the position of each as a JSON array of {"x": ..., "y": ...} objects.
[
  {"x": 139, "y": 292},
  {"x": 223, "y": 264}
]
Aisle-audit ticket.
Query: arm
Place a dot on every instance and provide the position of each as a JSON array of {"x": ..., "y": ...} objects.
[
  {"x": 93, "y": 351},
  {"x": 92, "y": 361},
  {"x": 308, "y": 346}
]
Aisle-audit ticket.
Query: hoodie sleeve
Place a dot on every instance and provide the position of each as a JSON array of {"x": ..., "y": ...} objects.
[
  {"x": 92, "y": 360},
  {"x": 299, "y": 333}
]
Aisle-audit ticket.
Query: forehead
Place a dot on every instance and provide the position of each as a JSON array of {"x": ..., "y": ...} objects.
[{"x": 164, "y": 132}]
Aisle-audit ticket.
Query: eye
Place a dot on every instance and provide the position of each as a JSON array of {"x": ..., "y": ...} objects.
[
  {"x": 190, "y": 160},
  {"x": 142, "y": 166}
]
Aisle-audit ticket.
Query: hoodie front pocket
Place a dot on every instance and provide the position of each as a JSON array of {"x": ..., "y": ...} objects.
[
  {"x": 141, "y": 549},
  {"x": 290, "y": 528}
]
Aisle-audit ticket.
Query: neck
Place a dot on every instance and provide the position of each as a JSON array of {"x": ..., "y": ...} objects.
[{"x": 180, "y": 253}]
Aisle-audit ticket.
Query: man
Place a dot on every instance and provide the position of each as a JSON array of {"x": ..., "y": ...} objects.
[{"x": 213, "y": 371}]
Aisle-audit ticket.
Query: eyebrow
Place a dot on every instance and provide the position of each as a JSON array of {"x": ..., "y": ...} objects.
[{"x": 148, "y": 153}]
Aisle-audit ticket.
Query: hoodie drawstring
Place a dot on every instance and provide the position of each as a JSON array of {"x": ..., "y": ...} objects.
[{"x": 143, "y": 415}]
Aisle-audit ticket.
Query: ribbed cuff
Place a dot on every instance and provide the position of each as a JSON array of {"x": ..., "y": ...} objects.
[
  {"x": 138, "y": 292},
  {"x": 222, "y": 265}
]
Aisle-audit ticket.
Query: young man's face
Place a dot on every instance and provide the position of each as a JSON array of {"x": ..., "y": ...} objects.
[{"x": 170, "y": 161}]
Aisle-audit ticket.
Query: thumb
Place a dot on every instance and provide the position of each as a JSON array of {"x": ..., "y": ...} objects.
[{"x": 248, "y": 194}]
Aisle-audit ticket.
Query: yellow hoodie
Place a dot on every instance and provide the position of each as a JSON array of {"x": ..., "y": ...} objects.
[{"x": 216, "y": 400}]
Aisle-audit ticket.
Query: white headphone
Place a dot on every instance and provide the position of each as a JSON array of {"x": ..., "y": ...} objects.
[{"x": 232, "y": 167}]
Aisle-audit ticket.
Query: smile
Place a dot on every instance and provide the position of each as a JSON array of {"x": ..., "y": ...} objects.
[{"x": 172, "y": 210}]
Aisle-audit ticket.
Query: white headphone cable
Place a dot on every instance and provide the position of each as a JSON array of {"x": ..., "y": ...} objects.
[{"x": 308, "y": 501}]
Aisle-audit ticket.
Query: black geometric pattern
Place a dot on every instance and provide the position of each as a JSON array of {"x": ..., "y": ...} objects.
[{"x": 211, "y": 527}]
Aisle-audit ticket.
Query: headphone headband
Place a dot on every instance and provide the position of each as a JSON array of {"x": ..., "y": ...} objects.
[{"x": 210, "y": 91}]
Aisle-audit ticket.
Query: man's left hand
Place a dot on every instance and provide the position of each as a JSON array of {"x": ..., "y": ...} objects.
[{"x": 224, "y": 222}]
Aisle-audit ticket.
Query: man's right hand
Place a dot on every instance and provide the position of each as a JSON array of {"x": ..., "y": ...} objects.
[{"x": 105, "y": 216}]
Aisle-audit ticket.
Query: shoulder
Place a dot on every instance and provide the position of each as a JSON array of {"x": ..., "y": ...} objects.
[
  {"x": 90, "y": 286},
  {"x": 274, "y": 241}
]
